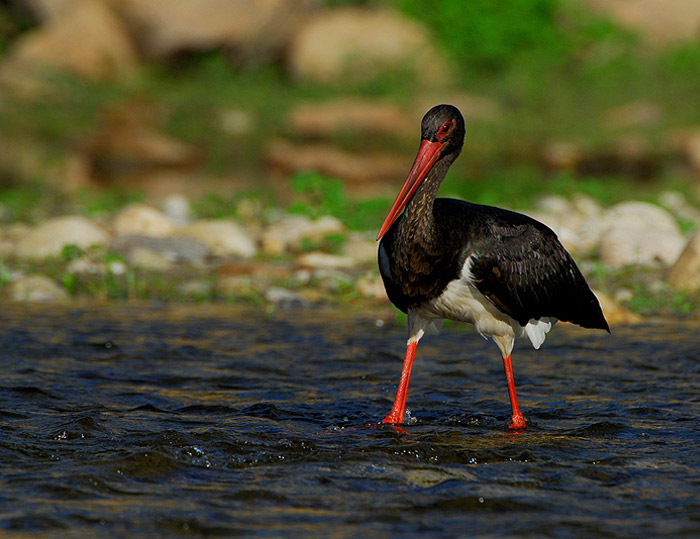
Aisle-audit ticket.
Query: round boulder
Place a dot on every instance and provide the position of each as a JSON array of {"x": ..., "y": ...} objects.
[
  {"x": 351, "y": 45},
  {"x": 52, "y": 236}
]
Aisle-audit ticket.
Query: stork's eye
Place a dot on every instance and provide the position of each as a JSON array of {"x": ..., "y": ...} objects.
[{"x": 444, "y": 128}]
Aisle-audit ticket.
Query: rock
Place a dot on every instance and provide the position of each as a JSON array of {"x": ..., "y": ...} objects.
[
  {"x": 636, "y": 213},
  {"x": 561, "y": 156},
  {"x": 331, "y": 279},
  {"x": 52, "y": 236},
  {"x": 288, "y": 233},
  {"x": 222, "y": 237},
  {"x": 143, "y": 220},
  {"x": 36, "y": 288},
  {"x": 196, "y": 288},
  {"x": 319, "y": 260},
  {"x": 354, "y": 45},
  {"x": 360, "y": 171},
  {"x": 233, "y": 285},
  {"x": 105, "y": 49},
  {"x": 127, "y": 141},
  {"x": 677, "y": 204},
  {"x": 360, "y": 249},
  {"x": 638, "y": 233},
  {"x": 150, "y": 260},
  {"x": 174, "y": 249},
  {"x": 177, "y": 208},
  {"x": 287, "y": 299},
  {"x": 634, "y": 115},
  {"x": 615, "y": 313},
  {"x": 371, "y": 286},
  {"x": 661, "y": 22},
  {"x": 685, "y": 271},
  {"x": 353, "y": 115},
  {"x": 246, "y": 27}
]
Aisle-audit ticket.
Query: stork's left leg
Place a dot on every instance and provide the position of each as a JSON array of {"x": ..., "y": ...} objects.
[{"x": 518, "y": 421}]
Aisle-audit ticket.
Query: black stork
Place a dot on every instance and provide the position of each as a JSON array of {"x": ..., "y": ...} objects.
[{"x": 502, "y": 271}]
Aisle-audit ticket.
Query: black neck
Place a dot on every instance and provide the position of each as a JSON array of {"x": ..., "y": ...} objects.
[{"x": 418, "y": 222}]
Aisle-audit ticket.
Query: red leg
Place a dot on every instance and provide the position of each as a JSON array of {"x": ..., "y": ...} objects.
[
  {"x": 518, "y": 421},
  {"x": 399, "y": 409}
]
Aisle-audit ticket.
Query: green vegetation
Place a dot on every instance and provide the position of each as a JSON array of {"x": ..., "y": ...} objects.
[{"x": 318, "y": 195}]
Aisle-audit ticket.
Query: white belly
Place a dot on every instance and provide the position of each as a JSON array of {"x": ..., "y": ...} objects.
[{"x": 461, "y": 301}]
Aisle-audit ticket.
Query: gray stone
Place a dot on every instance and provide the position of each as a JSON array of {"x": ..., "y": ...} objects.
[
  {"x": 187, "y": 250},
  {"x": 286, "y": 299},
  {"x": 222, "y": 237}
]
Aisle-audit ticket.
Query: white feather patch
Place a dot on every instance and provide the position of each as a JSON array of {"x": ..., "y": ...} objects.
[{"x": 537, "y": 330}]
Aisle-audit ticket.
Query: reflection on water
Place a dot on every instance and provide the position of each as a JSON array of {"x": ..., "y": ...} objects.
[{"x": 213, "y": 421}]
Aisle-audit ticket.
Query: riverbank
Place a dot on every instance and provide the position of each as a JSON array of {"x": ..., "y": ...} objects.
[{"x": 636, "y": 255}]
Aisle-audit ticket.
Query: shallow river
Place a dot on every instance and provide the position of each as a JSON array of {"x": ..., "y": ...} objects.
[{"x": 203, "y": 420}]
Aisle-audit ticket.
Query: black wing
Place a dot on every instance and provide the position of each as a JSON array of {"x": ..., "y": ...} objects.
[{"x": 520, "y": 265}]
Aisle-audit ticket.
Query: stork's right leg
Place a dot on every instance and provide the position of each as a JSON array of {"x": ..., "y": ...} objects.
[{"x": 397, "y": 413}]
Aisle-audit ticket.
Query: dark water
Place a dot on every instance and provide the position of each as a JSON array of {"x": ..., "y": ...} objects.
[{"x": 142, "y": 421}]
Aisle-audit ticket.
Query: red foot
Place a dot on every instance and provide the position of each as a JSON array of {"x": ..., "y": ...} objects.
[
  {"x": 393, "y": 418},
  {"x": 517, "y": 423}
]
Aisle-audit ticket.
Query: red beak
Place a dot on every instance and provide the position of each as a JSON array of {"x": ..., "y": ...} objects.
[{"x": 428, "y": 154}]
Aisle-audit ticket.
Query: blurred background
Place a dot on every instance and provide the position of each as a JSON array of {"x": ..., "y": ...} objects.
[{"x": 255, "y": 110}]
